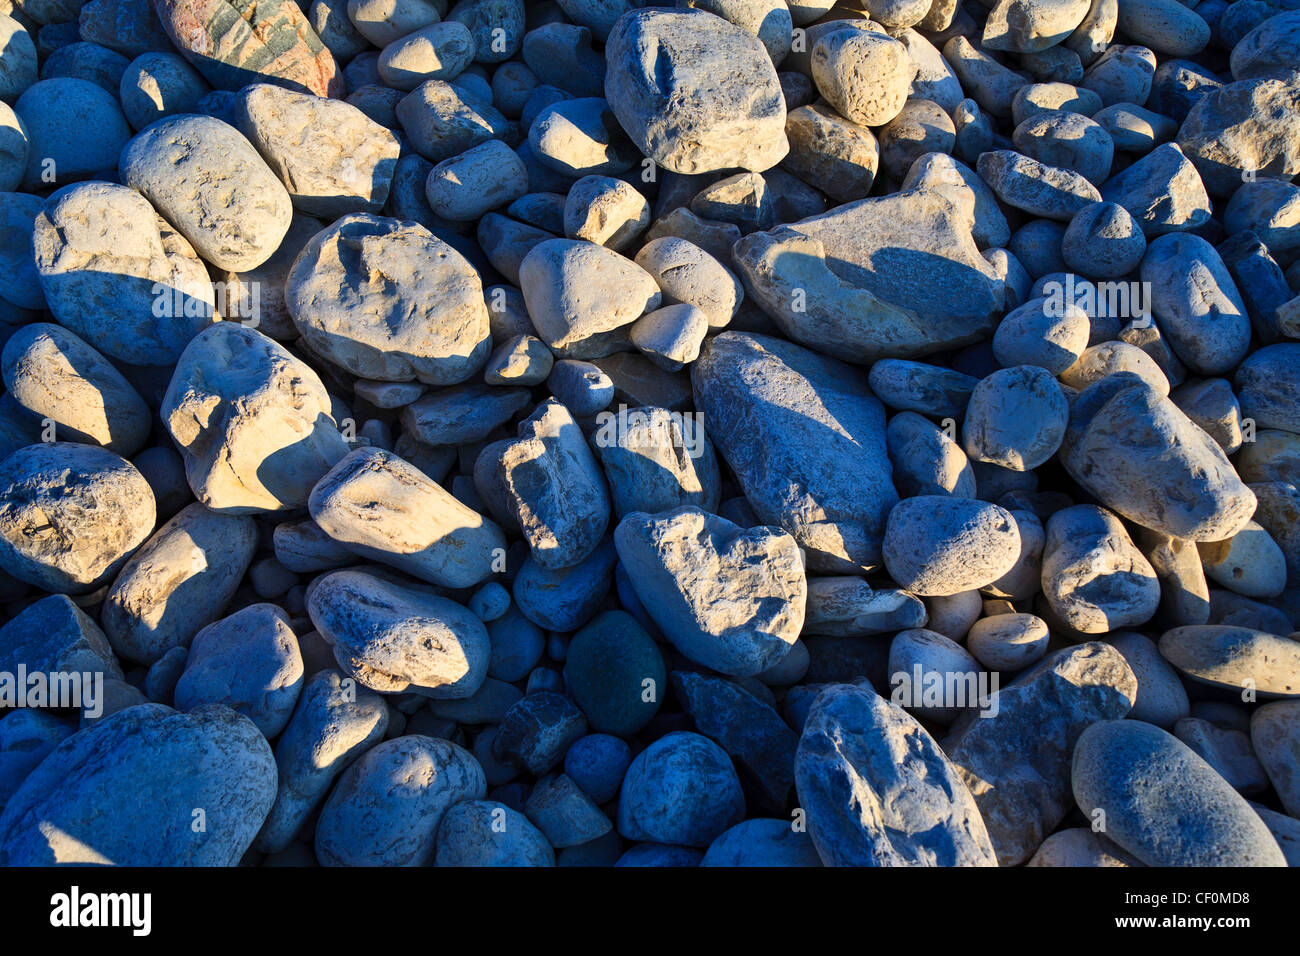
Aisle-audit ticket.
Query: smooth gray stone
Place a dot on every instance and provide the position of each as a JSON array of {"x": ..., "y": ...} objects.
[
  {"x": 1163, "y": 803},
  {"x": 680, "y": 790}
]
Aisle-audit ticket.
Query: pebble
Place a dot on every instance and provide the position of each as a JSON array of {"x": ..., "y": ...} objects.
[
  {"x": 249, "y": 662},
  {"x": 1008, "y": 642},
  {"x": 1273, "y": 736},
  {"x": 1230, "y": 657},
  {"x": 615, "y": 673},
  {"x": 878, "y": 790},
  {"x": 680, "y": 790},
  {"x": 396, "y": 639},
  {"x": 740, "y": 617},
  {"x": 1161, "y": 698},
  {"x": 1017, "y": 764},
  {"x": 110, "y": 793},
  {"x": 386, "y": 808},
  {"x": 762, "y": 842},
  {"x": 1016, "y": 418},
  {"x": 487, "y": 833},
  {"x": 938, "y": 545},
  {"x": 1163, "y": 803}
]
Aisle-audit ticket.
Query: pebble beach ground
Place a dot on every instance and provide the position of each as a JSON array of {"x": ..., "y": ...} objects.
[{"x": 604, "y": 433}]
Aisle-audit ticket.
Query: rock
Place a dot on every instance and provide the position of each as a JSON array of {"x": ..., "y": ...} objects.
[
  {"x": 832, "y": 151},
  {"x": 443, "y": 121},
  {"x": 564, "y": 599},
  {"x": 1161, "y": 697},
  {"x": 1036, "y": 188},
  {"x": 1043, "y": 332},
  {"x": 864, "y": 75},
  {"x": 1008, "y": 642},
  {"x": 179, "y": 582},
  {"x": 1016, "y": 418},
  {"x": 1268, "y": 387},
  {"x": 580, "y": 137},
  {"x": 233, "y": 46},
  {"x": 397, "y": 639},
  {"x": 606, "y": 211},
  {"x": 869, "y": 300},
  {"x": 208, "y": 181},
  {"x": 616, "y": 674},
  {"x": 483, "y": 833},
  {"x": 1249, "y": 563},
  {"x": 565, "y": 814},
  {"x": 1164, "y": 804},
  {"x": 926, "y": 389},
  {"x": 70, "y": 515},
  {"x": 656, "y": 460},
  {"x": 1029, "y": 26},
  {"x": 54, "y": 636},
  {"x": 345, "y": 167},
  {"x": 227, "y": 409},
  {"x": 1238, "y": 128},
  {"x": 1273, "y": 734},
  {"x": 695, "y": 93},
  {"x": 1094, "y": 577},
  {"x": 50, "y": 111},
  {"x": 1104, "y": 241},
  {"x": 383, "y": 21},
  {"x": 378, "y": 506},
  {"x": 848, "y": 607},
  {"x": 57, "y": 376},
  {"x": 387, "y": 300},
  {"x": 926, "y": 460},
  {"x": 102, "y": 251},
  {"x": 1235, "y": 658},
  {"x": 537, "y": 730},
  {"x": 761, "y": 397},
  {"x": 1080, "y": 846},
  {"x": 1162, "y": 191},
  {"x": 1142, "y": 458},
  {"x": 1227, "y": 751},
  {"x": 249, "y": 662},
  {"x": 1165, "y": 26},
  {"x": 581, "y": 296},
  {"x": 26, "y": 738},
  {"x": 1197, "y": 303},
  {"x": 1017, "y": 764},
  {"x": 386, "y": 808},
  {"x": 940, "y": 545},
  {"x": 671, "y": 336},
  {"x": 762, "y": 842},
  {"x": 728, "y": 598},
  {"x": 920, "y": 659},
  {"x": 439, "y": 51},
  {"x": 680, "y": 790},
  {"x": 123, "y": 790},
  {"x": 753, "y": 733},
  {"x": 878, "y": 791}
]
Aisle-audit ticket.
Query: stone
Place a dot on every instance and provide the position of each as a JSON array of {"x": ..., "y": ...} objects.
[
  {"x": 58, "y": 377},
  {"x": 380, "y": 507},
  {"x": 838, "y": 154},
  {"x": 249, "y": 662},
  {"x": 1249, "y": 563},
  {"x": 1017, "y": 765},
  {"x": 940, "y": 545},
  {"x": 234, "y": 45},
  {"x": 1250, "y": 126},
  {"x": 538, "y": 730},
  {"x": 1195, "y": 299},
  {"x": 1161, "y": 698},
  {"x": 728, "y": 598},
  {"x": 1162, "y": 191},
  {"x": 386, "y": 808},
  {"x": 345, "y": 166},
  {"x": 1016, "y": 418},
  {"x": 101, "y": 250},
  {"x": 397, "y": 639},
  {"x": 177, "y": 583},
  {"x": 74, "y": 129},
  {"x": 1273, "y": 736},
  {"x": 1094, "y": 577},
  {"x": 70, "y": 515},
  {"x": 208, "y": 181},
  {"x": 1141, "y": 457},
  {"x": 656, "y": 460},
  {"x": 609, "y": 667},
  {"x": 762, "y": 842},
  {"x": 565, "y": 814},
  {"x": 606, "y": 211},
  {"x": 581, "y": 296},
  {"x": 1164, "y": 804},
  {"x": 1235, "y": 658},
  {"x": 906, "y": 278},
  {"x": 925, "y": 389},
  {"x": 1008, "y": 642},
  {"x": 685, "y": 273},
  {"x": 753, "y": 733},
  {"x": 680, "y": 790},
  {"x": 487, "y": 833},
  {"x": 227, "y": 410},
  {"x": 442, "y": 121},
  {"x": 695, "y": 93},
  {"x": 1034, "y": 187},
  {"x": 387, "y": 300},
  {"x": 122, "y": 790},
  {"x": 926, "y": 460},
  {"x": 849, "y": 607},
  {"x": 878, "y": 790}
]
